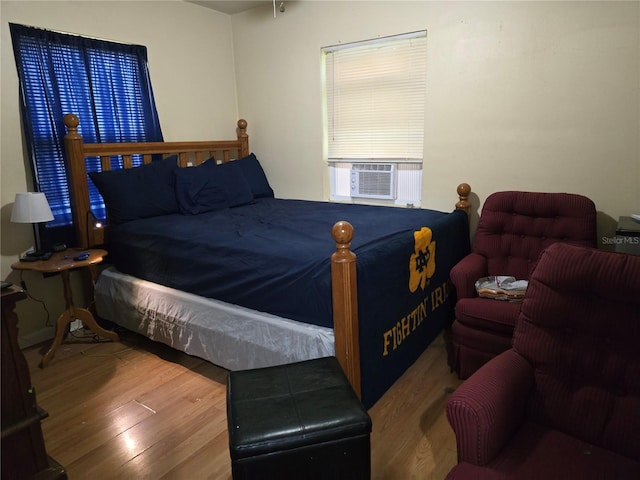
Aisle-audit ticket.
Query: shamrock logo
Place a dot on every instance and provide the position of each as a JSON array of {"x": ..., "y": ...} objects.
[{"x": 422, "y": 264}]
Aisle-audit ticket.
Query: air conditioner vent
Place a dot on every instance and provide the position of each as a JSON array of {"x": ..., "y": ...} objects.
[{"x": 373, "y": 180}]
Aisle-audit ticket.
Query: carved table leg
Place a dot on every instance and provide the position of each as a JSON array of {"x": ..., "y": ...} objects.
[
  {"x": 61, "y": 326},
  {"x": 69, "y": 315}
]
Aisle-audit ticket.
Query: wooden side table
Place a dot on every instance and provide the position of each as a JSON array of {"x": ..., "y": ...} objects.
[{"x": 63, "y": 263}]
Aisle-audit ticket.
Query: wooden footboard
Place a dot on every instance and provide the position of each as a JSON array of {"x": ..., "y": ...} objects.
[
  {"x": 345, "y": 294},
  {"x": 343, "y": 261}
]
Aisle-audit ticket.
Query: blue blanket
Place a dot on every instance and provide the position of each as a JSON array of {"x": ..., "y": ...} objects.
[{"x": 274, "y": 256}]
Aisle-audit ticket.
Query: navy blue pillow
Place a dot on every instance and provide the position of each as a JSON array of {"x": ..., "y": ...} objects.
[
  {"x": 254, "y": 174},
  {"x": 140, "y": 192},
  {"x": 210, "y": 187}
]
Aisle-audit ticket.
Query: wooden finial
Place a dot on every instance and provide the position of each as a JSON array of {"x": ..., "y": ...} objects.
[
  {"x": 243, "y": 138},
  {"x": 71, "y": 121},
  {"x": 342, "y": 233},
  {"x": 464, "y": 189}
]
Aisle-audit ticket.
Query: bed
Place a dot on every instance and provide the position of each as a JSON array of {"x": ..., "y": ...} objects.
[{"x": 244, "y": 279}]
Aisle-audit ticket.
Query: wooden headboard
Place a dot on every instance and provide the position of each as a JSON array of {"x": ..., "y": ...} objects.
[{"x": 189, "y": 153}]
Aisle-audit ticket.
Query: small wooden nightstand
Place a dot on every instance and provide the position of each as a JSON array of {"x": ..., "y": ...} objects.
[{"x": 63, "y": 263}]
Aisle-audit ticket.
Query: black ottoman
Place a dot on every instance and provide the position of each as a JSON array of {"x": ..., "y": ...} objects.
[{"x": 297, "y": 421}]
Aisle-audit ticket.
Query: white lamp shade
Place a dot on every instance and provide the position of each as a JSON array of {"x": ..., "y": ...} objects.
[{"x": 31, "y": 207}]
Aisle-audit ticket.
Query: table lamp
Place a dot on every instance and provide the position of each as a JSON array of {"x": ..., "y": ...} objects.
[{"x": 31, "y": 207}]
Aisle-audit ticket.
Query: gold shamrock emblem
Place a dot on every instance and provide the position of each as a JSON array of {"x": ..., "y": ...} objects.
[{"x": 422, "y": 264}]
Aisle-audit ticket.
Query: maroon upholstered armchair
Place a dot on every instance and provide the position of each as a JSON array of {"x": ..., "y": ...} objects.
[
  {"x": 564, "y": 401},
  {"x": 514, "y": 228}
]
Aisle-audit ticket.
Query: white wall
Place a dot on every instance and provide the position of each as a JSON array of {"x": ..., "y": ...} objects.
[
  {"x": 540, "y": 96},
  {"x": 191, "y": 63}
]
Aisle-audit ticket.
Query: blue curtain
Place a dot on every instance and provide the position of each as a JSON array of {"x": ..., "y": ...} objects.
[{"x": 107, "y": 84}]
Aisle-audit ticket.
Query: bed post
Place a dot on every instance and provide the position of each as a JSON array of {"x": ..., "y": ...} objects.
[
  {"x": 243, "y": 138},
  {"x": 464, "y": 189},
  {"x": 345, "y": 304},
  {"x": 77, "y": 179}
]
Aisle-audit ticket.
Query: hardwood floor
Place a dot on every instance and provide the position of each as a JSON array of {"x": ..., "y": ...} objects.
[{"x": 136, "y": 409}]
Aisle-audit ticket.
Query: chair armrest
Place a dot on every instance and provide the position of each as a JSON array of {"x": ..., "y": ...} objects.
[
  {"x": 465, "y": 273},
  {"x": 489, "y": 406}
]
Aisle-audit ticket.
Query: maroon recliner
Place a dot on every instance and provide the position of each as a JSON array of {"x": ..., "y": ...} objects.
[
  {"x": 564, "y": 401},
  {"x": 514, "y": 228}
]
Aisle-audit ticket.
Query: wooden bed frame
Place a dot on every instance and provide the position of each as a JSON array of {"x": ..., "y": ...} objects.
[{"x": 343, "y": 262}]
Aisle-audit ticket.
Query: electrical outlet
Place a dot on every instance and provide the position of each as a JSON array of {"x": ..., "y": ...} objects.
[{"x": 75, "y": 325}]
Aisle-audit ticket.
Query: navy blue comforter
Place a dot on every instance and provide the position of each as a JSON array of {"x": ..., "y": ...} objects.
[{"x": 274, "y": 256}]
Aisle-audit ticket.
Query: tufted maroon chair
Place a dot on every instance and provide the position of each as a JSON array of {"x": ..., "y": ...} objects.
[
  {"x": 514, "y": 228},
  {"x": 564, "y": 402}
]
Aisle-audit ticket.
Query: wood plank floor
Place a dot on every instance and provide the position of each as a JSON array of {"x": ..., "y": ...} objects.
[{"x": 136, "y": 409}]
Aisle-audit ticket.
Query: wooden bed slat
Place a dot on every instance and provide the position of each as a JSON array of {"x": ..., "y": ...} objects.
[{"x": 183, "y": 159}]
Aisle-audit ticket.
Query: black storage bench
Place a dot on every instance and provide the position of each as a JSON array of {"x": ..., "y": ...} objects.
[{"x": 297, "y": 421}]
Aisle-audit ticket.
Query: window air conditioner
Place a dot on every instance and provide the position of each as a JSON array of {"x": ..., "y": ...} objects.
[{"x": 373, "y": 180}]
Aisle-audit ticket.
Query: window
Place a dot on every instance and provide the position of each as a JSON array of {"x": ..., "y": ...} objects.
[
  {"x": 105, "y": 83},
  {"x": 375, "y": 103}
]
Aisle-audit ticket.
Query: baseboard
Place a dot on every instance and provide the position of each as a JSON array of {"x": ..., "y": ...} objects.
[{"x": 37, "y": 337}]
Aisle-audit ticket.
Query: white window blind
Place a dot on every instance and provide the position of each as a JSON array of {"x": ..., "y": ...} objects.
[{"x": 375, "y": 94}]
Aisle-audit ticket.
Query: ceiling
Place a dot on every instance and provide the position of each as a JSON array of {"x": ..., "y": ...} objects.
[{"x": 231, "y": 6}]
